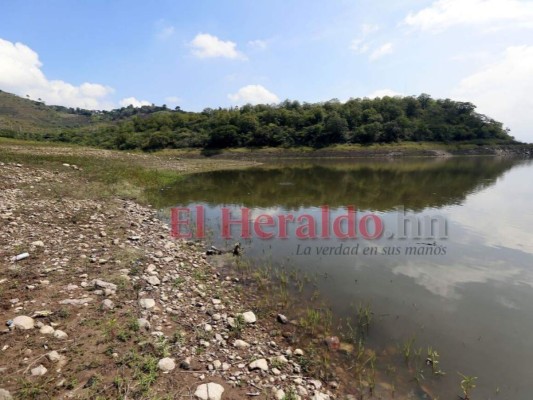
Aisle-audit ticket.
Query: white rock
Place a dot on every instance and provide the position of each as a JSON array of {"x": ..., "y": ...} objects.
[
  {"x": 58, "y": 334},
  {"x": 108, "y": 304},
  {"x": 5, "y": 395},
  {"x": 143, "y": 323},
  {"x": 147, "y": 304},
  {"x": 316, "y": 383},
  {"x": 100, "y": 284},
  {"x": 38, "y": 243},
  {"x": 76, "y": 302},
  {"x": 281, "y": 360},
  {"x": 166, "y": 364},
  {"x": 209, "y": 391},
  {"x": 53, "y": 356},
  {"x": 240, "y": 344},
  {"x": 302, "y": 391},
  {"x": 279, "y": 394},
  {"x": 261, "y": 364},
  {"x": 249, "y": 317},
  {"x": 39, "y": 371},
  {"x": 153, "y": 280},
  {"x": 320, "y": 396},
  {"x": 47, "y": 330},
  {"x": 298, "y": 352},
  {"x": 23, "y": 322}
]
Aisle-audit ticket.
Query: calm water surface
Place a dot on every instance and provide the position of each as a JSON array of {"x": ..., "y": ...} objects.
[{"x": 473, "y": 304}]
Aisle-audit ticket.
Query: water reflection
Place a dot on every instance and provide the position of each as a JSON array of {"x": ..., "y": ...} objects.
[
  {"x": 381, "y": 186},
  {"x": 474, "y": 303}
]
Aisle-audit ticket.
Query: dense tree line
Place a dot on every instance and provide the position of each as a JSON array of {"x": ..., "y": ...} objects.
[{"x": 288, "y": 124}]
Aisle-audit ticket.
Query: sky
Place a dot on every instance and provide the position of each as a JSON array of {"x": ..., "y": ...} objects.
[{"x": 104, "y": 54}]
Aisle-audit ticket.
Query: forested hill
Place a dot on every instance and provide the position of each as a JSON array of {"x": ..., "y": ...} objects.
[{"x": 288, "y": 124}]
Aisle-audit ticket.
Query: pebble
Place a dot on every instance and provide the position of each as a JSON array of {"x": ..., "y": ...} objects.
[
  {"x": 5, "y": 395},
  {"x": 39, "y": 371},
  {"x": 76, "y": 302},
  {"x": 53, "y": 356},
  {"x": 261, "y": 364},
  {"x": 58, "y": 334},
  {"x": 240, "y": 344},
  {"x": 282, "y": 319},
  {"x": 144, "y": 323},
  {"x": 153, "y": 280},
  {"x": 108, "y": 304},
  {"x": 23, "y": 322},
  {"x": 209, "y": 391},
  {"x": 166, "y": 364},
  {"x": 46, "y": 330},
  {"x": 249, "y": 317},
  {"x": 147, "y": 304}
]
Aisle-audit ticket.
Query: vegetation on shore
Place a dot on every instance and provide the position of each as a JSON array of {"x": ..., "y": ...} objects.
[{"x": 288, "y": 124}]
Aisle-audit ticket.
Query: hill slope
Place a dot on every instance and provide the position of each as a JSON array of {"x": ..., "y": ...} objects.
[
  {"x": 23, "y": 115},
  {"x": 288, "y": 124}
]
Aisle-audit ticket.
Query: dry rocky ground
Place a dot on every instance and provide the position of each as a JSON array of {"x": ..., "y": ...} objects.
[{"x": 106, "y": 305}]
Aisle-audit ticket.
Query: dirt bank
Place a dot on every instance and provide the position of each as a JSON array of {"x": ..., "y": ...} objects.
[{"x": 117, "y": 309}]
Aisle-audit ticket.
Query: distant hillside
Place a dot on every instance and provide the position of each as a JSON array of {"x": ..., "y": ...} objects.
[
  {"x": 23, "y": 115},
  {"x": 288, "y": 124}
]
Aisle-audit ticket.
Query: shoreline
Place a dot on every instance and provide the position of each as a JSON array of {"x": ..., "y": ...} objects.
[
  {"x": 108, "y": 305},
  {"x": 387, "y": 151},
  {"x": 97, "y": 249}
]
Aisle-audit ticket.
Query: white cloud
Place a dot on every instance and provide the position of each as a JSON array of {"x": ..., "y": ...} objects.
[
  {"x": 253, "y": 94},
  {"x": 134, "y": 102},
  {"x": 209, "y": 46},
  {"x": 362, "y": 44},
  {"x": 367, "y": 29},
  {"x": 258, "y": 44},
  {"x": 502, "y": 90},
  {"x": 163, "y": 30},
  {"x": 20, "y": 73},
  {"x": 383, "y": 92},
  {"x": 381, "y": 51},
  {"x": 166, "y": 32},
  {"x": 173, "y": 99},
  {"x": 359, "y": 46},
  {"x": 443, "y": 14}
]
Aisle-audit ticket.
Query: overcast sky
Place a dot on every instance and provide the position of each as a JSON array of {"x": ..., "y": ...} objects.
[{"x": 197, "y": 54}]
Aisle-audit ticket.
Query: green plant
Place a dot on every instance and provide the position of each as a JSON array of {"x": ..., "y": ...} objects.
[
  {"x": 162, "y": 347},
  {"x": 433, "y": 360},
  {"x": 133, "y": 325},
  {"x": 290, "y": 395},
  {"x": 238, "y": 325},
  {"x": 467, "y": 384},
  {"x": 407, "y": 348},
  {"x": 311, "y": 320},
  {"x": 177, "y": 282},
  {"x": 178, "y": 338},
  {"x": 30, "y": 390},
  {"x": 364, "y": 318}
]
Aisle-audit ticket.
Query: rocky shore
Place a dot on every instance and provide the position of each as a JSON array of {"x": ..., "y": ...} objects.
[{"x": 105, "y": 304}]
